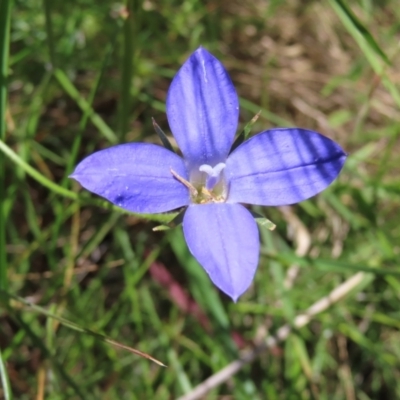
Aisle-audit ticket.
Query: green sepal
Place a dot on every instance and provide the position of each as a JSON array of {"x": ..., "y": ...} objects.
[
  {"x": 173, "y": 223},
  {"x": 162, "y": 136},
  {"x": 262, "y": 221},
  {"x": 245, "y": 132}
]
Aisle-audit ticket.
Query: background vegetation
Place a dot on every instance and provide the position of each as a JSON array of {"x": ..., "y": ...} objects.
[{"x": 83, "y": 75}]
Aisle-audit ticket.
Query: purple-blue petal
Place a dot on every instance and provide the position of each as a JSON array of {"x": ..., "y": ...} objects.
[
  {"x": 203, "y": 110},
  {"x": 135, "y": 176},
  {"x": 224, "y": 239},
  {"x": 282, "y": 166}
]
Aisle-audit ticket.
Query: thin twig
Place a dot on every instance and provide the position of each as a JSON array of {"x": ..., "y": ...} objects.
[
  {"x": 302, "y": 238},
  {"x": 270, "y": 341}
]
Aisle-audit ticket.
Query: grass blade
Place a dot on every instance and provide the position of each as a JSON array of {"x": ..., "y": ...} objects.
[
  {"x": 358, "y": 30},
  {"x": 46, "y": 352},
  {"x": 126, "y": 69},
  {"x": 367, "y": 44},
  {"x": 5, "y": 16},
  {"x": 84, "y": 105},
  {"x": 4, "y": 380},
  {"x": 49, "y": 32},
  {"x": 78, "y": 328}
]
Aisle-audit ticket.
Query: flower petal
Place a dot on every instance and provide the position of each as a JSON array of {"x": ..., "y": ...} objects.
[
  {"x": 203, "y": 110},
  {"x": 135, "y": 176},
  {"x": 224, "y": 240},
  {"x": 282, "y": 166}
]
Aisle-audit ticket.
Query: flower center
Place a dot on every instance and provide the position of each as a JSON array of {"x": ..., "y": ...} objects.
[
  {"x": 210, "y": 184},
  {"x": 206, "y": 185}
]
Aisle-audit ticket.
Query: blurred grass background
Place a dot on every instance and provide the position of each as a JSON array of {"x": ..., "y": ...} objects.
[{"x": 83, "y": 75}]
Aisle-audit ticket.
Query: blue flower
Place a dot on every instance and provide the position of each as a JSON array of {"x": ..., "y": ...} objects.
[{"x": 273, "y": 168}]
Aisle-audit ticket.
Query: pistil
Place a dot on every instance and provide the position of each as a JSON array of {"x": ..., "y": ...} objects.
[{"x": 213, "y": 174}]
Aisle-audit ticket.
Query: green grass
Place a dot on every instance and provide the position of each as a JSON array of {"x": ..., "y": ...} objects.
[
  {"x": 77, "y": 274},
  {"x": 5, "y": 17}
]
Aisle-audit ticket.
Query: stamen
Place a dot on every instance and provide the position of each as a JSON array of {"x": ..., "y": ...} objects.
[
  {"x": 213, "y": 174},
  {"x": 192, "y": 189}
]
